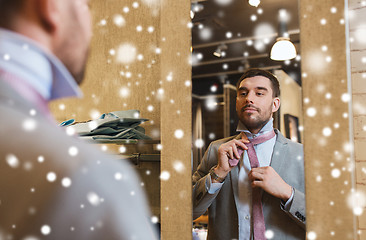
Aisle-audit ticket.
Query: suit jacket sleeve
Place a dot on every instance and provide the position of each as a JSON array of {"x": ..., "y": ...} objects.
[
  {"x": 296, "y": 179},
  {"x": 200, "y": 196},
  {"x": 297, "y": 210}
]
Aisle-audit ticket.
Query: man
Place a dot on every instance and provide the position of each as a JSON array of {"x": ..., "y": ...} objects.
[
  {"x": 226, "y": 186},
  {"x": 53, "y": 186}
]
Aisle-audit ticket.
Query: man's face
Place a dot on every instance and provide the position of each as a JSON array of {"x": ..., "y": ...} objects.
[
  {"x": 74, "y": 37},
  {"x": 255, "y": 103}
]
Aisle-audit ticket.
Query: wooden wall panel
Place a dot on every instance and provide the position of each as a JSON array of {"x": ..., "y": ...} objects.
[
  {"x": 176, "y": 115},
  {"x": 328, "y": 163}
]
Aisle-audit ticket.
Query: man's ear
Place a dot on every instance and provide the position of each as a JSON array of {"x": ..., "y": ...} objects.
[
  {"x": 49, "y": 14},
  {"x": 276, "y": 104}
]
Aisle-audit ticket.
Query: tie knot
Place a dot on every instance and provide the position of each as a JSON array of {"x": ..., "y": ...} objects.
[{"x": 263, "y": 138}]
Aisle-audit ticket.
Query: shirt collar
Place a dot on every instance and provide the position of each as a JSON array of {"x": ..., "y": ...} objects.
[
  {"x": 266, "y": 128},
  {"x": 33, "y": 63}
]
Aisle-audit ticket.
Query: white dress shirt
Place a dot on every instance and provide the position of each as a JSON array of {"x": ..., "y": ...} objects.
[{"x": 32, "y": 63}]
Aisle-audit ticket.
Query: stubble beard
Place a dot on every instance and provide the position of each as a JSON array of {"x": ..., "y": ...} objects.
[{"x": 254, "y": 123}]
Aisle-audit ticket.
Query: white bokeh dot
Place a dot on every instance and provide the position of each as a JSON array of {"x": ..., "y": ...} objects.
[
  {"x": 122, "y": 149},
  {"x": 29, "y": 124},
  {"x": 12, "y": 160},
  {"x": 66, "y": 182},
  {"x": 165, "y": 175},
  {"x": 126, "y": 9},
  {"x": 311, "y": 235},
  {"x": 150, "y": 108},
  {"x": 311, "y": 111},
  {"x": 73, "y": 151},
  {"x": 357, "y": 211},
  {"x": 178, "y": 166},
  {"x": 118, "y": 176},
  {"x": 336, "y": 173},
  {"x": 318, "y": 178},
  {"x": 40, "y": 159},
  {"x": 6, "y": 57},
  {"x": 345, "y": 97},
  {"x": 327, "y": 131},
  {"x": 205, "y": 33},
  {"x": 93, "y": 198},
  {"x": 223, "y": 2},
  {"x": 119, "y": 20},
  {"x": 135, "y": 4},
  {"x": 126, "y": 53},
  {"x": 199, "y": 143},
  {"x": 70, "y": 131},
  {"x": 211, "y": 136},
  {"x": 179, "y": 133},
  {"x": 45, "y": 229},
  {"x": 124, "y": 92},
  {"x": 154, "y": 219},
  {"x": 150, "y": 29},
  {"x": 51, "y": 176},
  {"x": 229, "y": 35},
  {"x": 269, "y": 234}
]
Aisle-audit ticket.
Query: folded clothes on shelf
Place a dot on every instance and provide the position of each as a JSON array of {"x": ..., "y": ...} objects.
[{"x": 110, "y": 126}]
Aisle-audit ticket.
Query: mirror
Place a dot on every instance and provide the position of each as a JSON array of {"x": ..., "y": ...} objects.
[
  {"x": 229, "y": 37},
  {"x": 325, "y": 38}
]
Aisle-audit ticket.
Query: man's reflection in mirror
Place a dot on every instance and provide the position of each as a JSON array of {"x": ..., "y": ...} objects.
[{"x": 252, "y": 184}]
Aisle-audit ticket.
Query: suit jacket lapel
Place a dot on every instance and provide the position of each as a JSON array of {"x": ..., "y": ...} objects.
[{"x": 278, "y": 159}]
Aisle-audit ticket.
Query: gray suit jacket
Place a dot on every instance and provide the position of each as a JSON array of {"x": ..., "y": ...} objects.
[
  {"x": 287, "y": 161},
  {"x": 104, "y": 200}
]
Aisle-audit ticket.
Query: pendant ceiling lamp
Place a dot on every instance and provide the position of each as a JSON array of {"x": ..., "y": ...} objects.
[{"x": 283, "y": 49}]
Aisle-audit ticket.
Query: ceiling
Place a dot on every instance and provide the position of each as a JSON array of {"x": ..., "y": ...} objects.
[{"x": 245, "y": 33}]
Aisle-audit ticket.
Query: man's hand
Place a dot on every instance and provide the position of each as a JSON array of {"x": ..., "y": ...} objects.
[
  {"x": 228, "y": 151},
  {"x": 269, "y": 180}
]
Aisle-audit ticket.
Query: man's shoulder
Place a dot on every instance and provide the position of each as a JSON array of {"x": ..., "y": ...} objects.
[{"x": 284, "y": 140}]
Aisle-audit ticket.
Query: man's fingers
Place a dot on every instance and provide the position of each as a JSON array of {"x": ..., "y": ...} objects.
[{"x": 229, "y": 152}]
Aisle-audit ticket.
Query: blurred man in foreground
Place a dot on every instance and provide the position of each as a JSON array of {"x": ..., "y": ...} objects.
[{"x": 53, "y": 186}]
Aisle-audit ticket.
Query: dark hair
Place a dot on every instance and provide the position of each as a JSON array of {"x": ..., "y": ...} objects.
[
  {"x": 252, "y": 72},
  {"x": 7, "y": 10}
]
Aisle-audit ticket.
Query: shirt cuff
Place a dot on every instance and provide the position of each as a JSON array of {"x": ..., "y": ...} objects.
[
  {"x": 286, "y": 206},
  {"x": 212, "y": 187}
]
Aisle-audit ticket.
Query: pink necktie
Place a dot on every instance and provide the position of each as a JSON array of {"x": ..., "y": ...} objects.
[{"x": 259, "y": 227}]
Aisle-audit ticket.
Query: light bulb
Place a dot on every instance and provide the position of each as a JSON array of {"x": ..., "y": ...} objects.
[
  {"x": 283, "y": 50},
  {"x": 254, "y": 3}
]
